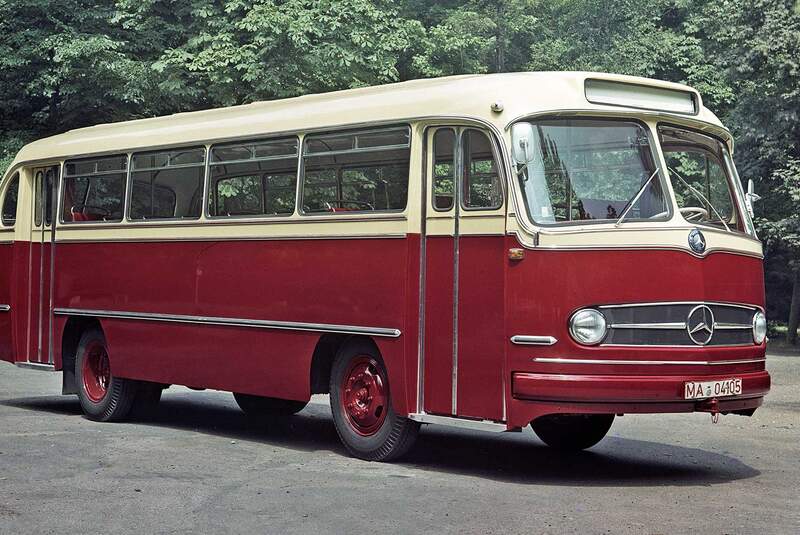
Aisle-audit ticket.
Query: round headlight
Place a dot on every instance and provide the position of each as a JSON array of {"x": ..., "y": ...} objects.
[
  {"x": 759, "y": 327},
  {"x": 588, "y": 326}
]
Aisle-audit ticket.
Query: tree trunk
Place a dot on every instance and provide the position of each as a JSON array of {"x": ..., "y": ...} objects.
[{"x": 794, "y": 310}]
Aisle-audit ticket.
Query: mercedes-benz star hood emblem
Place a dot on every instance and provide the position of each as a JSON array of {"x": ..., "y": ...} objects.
[
  {"x": 697, "y": 241},
  {"x": 700, "y": 325}
]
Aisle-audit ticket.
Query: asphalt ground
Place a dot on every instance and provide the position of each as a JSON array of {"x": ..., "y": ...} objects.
[{"x": 199, "y": 466}]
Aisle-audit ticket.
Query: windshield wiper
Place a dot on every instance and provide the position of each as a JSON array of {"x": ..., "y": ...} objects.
[
  {"x": 632, "y": 202},
  {"x": 700, "y": 196}
]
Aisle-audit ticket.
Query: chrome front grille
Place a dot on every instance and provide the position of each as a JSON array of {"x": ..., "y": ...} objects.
[{"x": 690, "y": 324}]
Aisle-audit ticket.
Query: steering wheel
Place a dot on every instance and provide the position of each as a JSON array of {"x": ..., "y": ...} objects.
[{"x": 694, "y": 213}]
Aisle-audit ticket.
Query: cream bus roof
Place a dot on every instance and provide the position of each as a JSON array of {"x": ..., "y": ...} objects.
[{"x": 455, "y": 96}]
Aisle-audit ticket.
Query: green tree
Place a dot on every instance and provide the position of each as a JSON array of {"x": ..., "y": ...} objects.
[
  {"x": 761, "y": 43},
  {"x": 70, "y": 63},
  {"x": 240, "y": 51},
  {"x": 474, "y": 36},
  {"x": 62, "y": 67}
]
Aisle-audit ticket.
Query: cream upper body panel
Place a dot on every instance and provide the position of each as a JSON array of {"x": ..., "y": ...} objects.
[
  {"x": 468, "y": 96},
  {"x": 495, "y": 101}
]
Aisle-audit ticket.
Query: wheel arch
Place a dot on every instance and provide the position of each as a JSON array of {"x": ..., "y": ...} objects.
[
  {"x": 74, "y": 328},
  {"x": 325, "y": 352}
]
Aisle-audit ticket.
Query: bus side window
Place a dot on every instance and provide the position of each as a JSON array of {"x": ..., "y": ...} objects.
[
  {"x": 238, "y": 195},
  {"x": 167, "y": 184},
  {"x": 356, "y": 172},
  {"x": 94, "y": 190},
  {"x": 444, "y": 169},
  {"x": 10, "y": 202},
  {"x": 151, "y": 199},
  {"x": 482, "y": 189},
  {"x": 255, "y": 178}
]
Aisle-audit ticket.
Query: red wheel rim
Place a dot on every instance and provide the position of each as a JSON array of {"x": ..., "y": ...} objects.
[
  {"x": 96, "y": 371},
  {"x": 364, "y": 397}
]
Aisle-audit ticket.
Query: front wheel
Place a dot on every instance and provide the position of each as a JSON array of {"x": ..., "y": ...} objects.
[
  {"x": 572, "y": 432},
  {"x": 103, "y": 397},
  {"x": 362, "y": 408}
]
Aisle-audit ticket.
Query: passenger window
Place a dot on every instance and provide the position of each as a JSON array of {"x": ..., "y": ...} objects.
[
  {"x": 444, "y": 143},
  {"x": 167, "y": 184},
  {"x": 10, "y": 201},
  {"x": 356, "y": 172},
  {"x": 94, "y": 190},
  {"x": 254, "y": 179},
  {"x": 482, "y": 189}
]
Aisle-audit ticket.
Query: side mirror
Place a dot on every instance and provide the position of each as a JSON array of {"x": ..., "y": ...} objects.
[
  {"x": 522, "y": 143},
  {"x": 750, "y": 197}
]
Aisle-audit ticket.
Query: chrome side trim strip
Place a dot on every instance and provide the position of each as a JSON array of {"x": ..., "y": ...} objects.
[
  {"x": 732, "y": 326},
  {"x": 457, "y": 177},
  {"x": 423, "y": 263},
  {"x": 531, "y": 340},
  {"x": 36, "y": 366},
  {"x": 666, "y": 303},
  {"x": 232, "y": 322},
  {"x": 657, "y": 326},
  {"x": 237, "y": 238},
  {"x": 679, "y": 346},
  {"x": 5, "y": 308},
  {"x": 679, "y": 326},
  {"x": 547, "y": 360},
  {"x": 463, "y": 423}
]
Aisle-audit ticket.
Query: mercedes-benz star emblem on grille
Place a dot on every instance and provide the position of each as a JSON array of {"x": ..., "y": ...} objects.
[
  {"x": 700, "y": 325},
  {"x": 697, "y": 241}
]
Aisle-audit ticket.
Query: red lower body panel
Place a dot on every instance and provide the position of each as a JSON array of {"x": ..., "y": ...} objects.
[
  {"x": 537, "y": 394},
  {"x": 622, "y": 388},
  {"x": 356, "y": 282}
]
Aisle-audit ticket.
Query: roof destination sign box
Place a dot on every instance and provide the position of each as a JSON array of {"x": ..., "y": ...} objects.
[{"x": 641, "y": 96}]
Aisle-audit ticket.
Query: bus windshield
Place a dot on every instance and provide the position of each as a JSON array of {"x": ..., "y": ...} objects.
[
  {"x": 579, "y": 170},
  {"x": 698, "y": 168}
]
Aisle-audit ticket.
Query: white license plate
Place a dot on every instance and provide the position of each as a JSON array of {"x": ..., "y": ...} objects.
[{"x": 712, "y": 389}]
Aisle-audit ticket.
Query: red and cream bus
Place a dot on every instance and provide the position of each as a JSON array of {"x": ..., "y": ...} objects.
[{"x": 485, "y": 251}]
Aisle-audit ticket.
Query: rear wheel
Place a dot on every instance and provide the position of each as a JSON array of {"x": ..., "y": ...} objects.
[
  {"x": 264, "y": 407},
  {"x": 362, "y": 407},
  {"x": 572, "y": 432},
  {"x": 103, "y": 397}
]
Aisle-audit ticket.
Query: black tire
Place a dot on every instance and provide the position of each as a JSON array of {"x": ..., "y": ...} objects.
[
  {"x": 261, "y": 408},
  {"x": 111, "y": 402},
  {"x": 389, "y": 435},
  {"x": 572, "y": 432},
  {"x": 148, "y": 396}
]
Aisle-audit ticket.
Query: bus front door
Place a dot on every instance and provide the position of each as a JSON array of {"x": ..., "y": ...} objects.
[
  {"x": 463, "y": 307},
  {"x": 45, "y": 182}
]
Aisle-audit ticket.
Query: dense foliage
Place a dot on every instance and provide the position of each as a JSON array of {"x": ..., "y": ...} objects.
[{"x": 69, "y": 63}]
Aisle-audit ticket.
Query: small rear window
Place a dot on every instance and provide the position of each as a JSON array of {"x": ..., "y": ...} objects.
[{"x": 10, "y": 201}]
